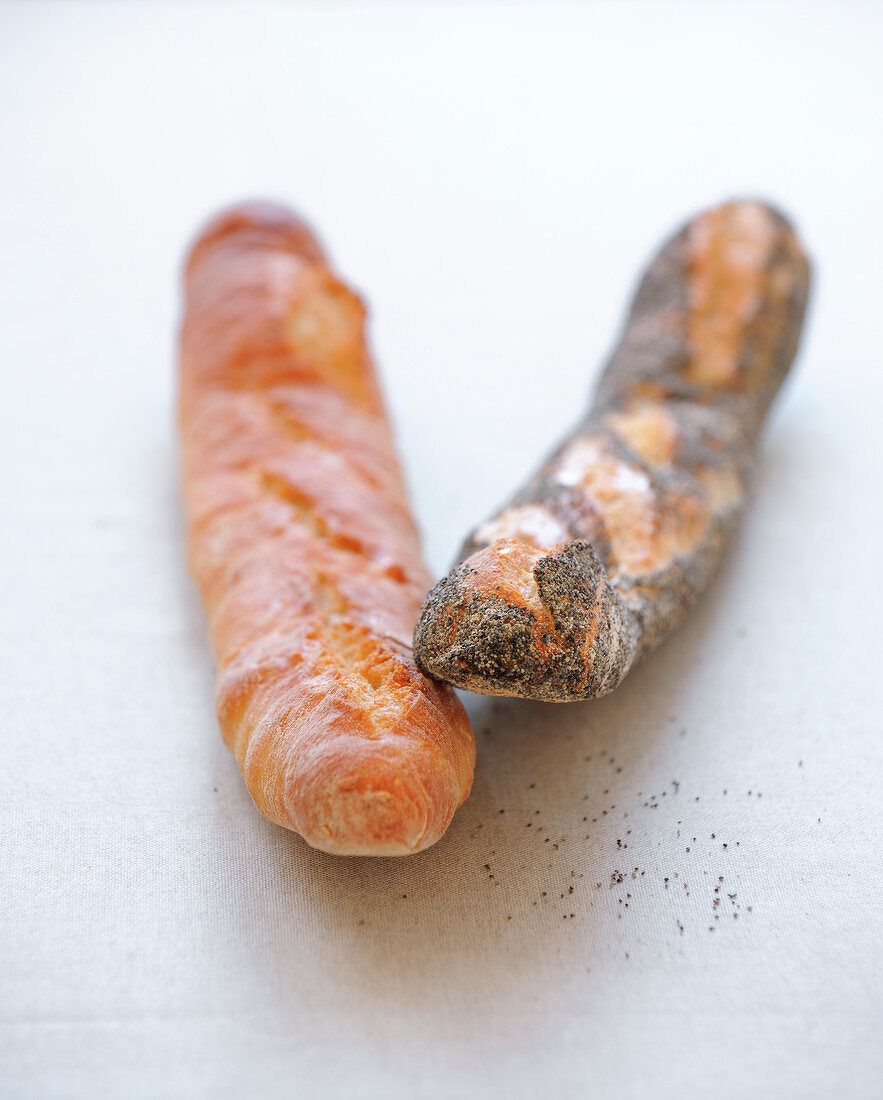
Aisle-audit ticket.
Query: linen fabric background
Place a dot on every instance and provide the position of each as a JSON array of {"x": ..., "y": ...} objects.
[{"x": 670, "y": 892}]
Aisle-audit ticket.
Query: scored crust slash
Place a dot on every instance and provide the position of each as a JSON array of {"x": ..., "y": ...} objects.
[
  {"x": 598, "y": 557},
  {"x": 304, "y": 550}
]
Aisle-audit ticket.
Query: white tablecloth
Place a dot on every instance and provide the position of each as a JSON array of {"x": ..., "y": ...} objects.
[{"x": 492, "y": 177}]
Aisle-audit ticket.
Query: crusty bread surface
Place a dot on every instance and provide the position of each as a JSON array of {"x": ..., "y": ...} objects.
[
  {"x": 304, "y": 550},
  {"x": 600, "y": 555}
]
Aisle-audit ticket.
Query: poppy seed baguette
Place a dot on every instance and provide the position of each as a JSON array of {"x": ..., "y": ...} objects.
[
  {"x": 599, "y": 556},
  {"x": 304, "y": 550}
]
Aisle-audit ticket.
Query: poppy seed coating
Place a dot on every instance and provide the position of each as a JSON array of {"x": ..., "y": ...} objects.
[{"x": 600, "y": 555}]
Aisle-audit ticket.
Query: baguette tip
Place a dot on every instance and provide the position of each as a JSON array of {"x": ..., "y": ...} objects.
[
  {"x": 372, "y": 805},
  {"x": 517, "y": 621},
  {"x": 266, "y": 224}
]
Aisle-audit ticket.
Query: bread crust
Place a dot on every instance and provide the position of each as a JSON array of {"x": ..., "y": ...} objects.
[
  {"x": 601, "y": 554},
  {"x": 304, "y": 550}
]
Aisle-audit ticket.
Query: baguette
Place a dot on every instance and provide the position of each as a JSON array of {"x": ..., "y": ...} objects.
[
  {"x": 599, "y": 556},
  {"x": 304, "y": 550}
]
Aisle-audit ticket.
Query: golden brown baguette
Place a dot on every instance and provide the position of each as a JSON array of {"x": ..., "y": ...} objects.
[
  {"x": 304, "y": 550},
  {"x": 596, "y": 560}
]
